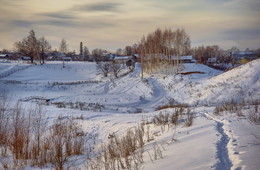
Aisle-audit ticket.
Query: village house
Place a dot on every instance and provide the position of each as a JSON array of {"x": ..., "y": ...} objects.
[
  {"x": 121, "y": 59},
  {"x": 184, "y": 59},
  {"x": 4, "y": 56},
  {"x": 212, "y": 60},
  {"x": 243, "y": 56}
]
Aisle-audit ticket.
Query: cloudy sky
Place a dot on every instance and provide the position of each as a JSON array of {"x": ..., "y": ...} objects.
[{"x": 113, "y": 24}]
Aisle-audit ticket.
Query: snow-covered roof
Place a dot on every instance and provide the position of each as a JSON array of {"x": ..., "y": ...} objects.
[
  {"x": 122, "y": 57},
  {"x": 212, "y": 59},
  {"x": 26, "y": 57},
  {"x": 58, "y": 54},
  {"x": 243, "y": 53},
  {"x": 136, "y": 55},
  {"x": 188, "y": 57},
  {"x": 66, "y": 58},
  {"x": 3, "y": 55}
]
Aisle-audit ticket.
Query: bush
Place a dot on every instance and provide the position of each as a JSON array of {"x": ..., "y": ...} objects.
[
  {"x": 121, "y": 153},
  {"x": 172, "y": 106},
  {"x": 189, "y": 119},
  {"x": 254, "y": 117},
  {"x": 104, "y": 67},
  {"x": 27, "y": 138}
]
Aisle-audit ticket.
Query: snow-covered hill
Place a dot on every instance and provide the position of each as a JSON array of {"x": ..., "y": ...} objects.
[
  {"x": 227, "y": 140},
  {"x": 241, "y": 83}
]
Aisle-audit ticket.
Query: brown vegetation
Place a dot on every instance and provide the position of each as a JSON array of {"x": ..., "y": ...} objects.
[
  {"x": 26, "y": 137},
  {"x": 158, "y": 48}
]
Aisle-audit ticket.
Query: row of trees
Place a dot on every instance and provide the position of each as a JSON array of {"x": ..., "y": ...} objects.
[
  {"x": 128, "y": 50},
  {"x": 33, "y": 47},
  {"x": 203, "y": 53},
  {"x": 99, "y": 54},
  {"x": 36, "y": 48},
  {"x": 84, "y": 52},
  {"x": 158, "y": 47}
]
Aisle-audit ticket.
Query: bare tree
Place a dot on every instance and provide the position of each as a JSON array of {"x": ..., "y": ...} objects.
[
  {"x": 44, "y": 47},
  {"x": 86, "y": 53},
  {"x": 134, "y": 48},
  {"x": 104, "y": 67},
  {"x": 158, "y": 47},
  {"x": 63, "y": 46},
  {"x": 5, "y": 51},
  {"x": 181, "y": 43},
  {"x": 28, "y": 46},
  {"x": 116, "y": 68},
  {"x": 98, "y": 54},
  {"x": 119, "y": 51},
  {"x": 128, "y": 50}
]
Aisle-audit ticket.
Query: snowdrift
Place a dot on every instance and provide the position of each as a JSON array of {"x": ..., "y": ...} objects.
[{"x": 241, "y": 83}]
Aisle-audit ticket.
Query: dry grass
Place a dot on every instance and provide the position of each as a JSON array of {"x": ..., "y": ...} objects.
[
  {"x": 193, "y": 72},
  {"x": 171, "y": 106},
  {"x": 26, "y": 138}
]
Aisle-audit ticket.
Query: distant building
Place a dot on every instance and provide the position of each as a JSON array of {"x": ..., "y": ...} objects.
[
  {"x": 181, "y": 59},
  {"x": 26, "y": 58},
  {"x": 10, "y": 56},
  {"x": 184, "y": 59},
  {"x": 66, "y": 58},
  {"x": 121, "y": 59},
  {"x": 130, "y": 63},
  {"x": 56, "y": 56},
  {"x": 136, "y": 58},
  {"x": 243, "y": 56},
  {"x": 4, "y": 56},
  {"x": 212, "y": 60}
]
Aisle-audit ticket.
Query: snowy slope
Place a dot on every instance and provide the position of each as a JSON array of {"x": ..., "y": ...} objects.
[
  {"x": 241, "y": 83},
  {"x": 55, "y": 72},
  {"x": 212, "y": 142}
]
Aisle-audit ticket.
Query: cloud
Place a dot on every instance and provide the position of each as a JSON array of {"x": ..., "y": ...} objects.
[
  {"x": 18, "y": 23},
  {"x": 118, "y": 23},
  {"x": 58, "y": 15},
  {"x": 99, "y": 7},
  {"x": 89, "y": 24},
  {"x": 242, "y": 34},
  {"x": 249, "y": 5}
]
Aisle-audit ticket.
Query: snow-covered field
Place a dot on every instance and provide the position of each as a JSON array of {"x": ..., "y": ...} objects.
[{"x": 226, "y": 140}]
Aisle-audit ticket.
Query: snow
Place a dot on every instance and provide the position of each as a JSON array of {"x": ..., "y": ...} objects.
[
  {"x": 213, "y": 141},
  {"x": 194, "y": 149},
  {"x": 54, "y": 72},
  {"x": 188, "y": 57}
]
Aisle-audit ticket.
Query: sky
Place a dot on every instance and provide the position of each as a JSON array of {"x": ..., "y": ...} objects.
[{"x": 113, "y": 24}]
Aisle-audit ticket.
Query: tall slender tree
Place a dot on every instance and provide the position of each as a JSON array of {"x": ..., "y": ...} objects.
[
  {"x": 86, "y": 53},
  {"x": 44, "y": 46},
  {"x": 63, "y": 46},
  {"x": 81, "y": 49},
  {"x": 158, "y": 47}
]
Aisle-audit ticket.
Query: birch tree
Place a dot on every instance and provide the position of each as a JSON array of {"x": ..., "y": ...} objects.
[
  {"x": 63, "y": 46},
  {"x": 44, "y": 46}
]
